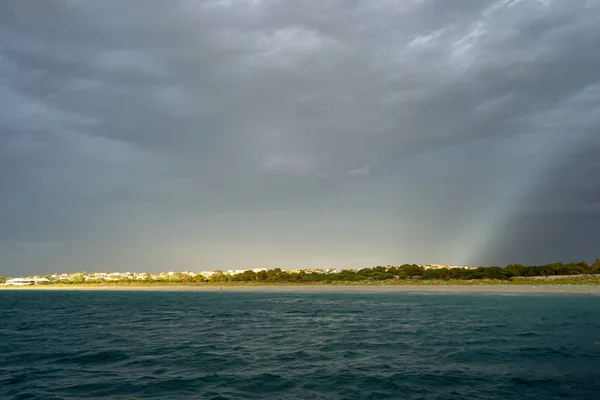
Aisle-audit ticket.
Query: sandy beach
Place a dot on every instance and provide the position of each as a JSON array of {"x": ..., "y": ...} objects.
[{"x": 523, "y": 289}]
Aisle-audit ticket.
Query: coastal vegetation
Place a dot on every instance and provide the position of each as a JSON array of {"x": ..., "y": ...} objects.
[
  {"x": 554, "y": 273},
  {"x": 407, "y": 272}
]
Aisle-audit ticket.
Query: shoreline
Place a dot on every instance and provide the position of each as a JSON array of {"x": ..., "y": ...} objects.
[{"x": 508, "y": 289}]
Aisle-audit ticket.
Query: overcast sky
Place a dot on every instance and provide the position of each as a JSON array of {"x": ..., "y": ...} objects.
[{"x": 199, "y": 135}]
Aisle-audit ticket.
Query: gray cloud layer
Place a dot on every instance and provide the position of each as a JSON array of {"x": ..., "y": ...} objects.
[{"x": 236, "y": 133}]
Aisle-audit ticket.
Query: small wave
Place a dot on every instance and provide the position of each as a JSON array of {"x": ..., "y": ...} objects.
[
  {"x": 265, "y": 383},
  {"x": 294, "y": 356},
  {"x": 531, "y": 382},
  {"x": 16, "y": 379},
  {"x": 101, "y": 357}
]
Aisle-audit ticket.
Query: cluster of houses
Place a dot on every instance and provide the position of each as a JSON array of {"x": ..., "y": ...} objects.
[
  {"x": 114, "y": 276},
  {"x": 164, "y": 276},
  {"x": 442, "y": 266}
]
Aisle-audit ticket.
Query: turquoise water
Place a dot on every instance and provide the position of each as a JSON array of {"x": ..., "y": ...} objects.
[{"x": 260, "y": 345}]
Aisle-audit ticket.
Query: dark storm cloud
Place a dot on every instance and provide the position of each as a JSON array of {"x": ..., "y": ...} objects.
[{"x": 130, "y": 127}]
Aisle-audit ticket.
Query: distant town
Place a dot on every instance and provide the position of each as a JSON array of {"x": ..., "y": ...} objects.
[
  {"x": 379, "y": 273},
  {"x": 185, "y": 276}
]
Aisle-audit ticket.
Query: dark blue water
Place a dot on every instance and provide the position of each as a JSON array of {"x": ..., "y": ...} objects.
[{"x": 250, "y": 345}]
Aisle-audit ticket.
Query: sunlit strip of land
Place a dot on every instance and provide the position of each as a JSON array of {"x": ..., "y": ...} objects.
[{"x": 406, "y": 274}]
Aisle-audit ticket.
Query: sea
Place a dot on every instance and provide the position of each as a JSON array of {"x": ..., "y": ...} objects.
[{"x": 297, "y": 345}]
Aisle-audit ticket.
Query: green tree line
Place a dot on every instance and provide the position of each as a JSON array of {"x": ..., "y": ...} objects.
[{"x": 413, "y": 271}]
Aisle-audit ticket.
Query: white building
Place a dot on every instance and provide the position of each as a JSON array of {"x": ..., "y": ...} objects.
[{"x": 26, "y": 281}]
